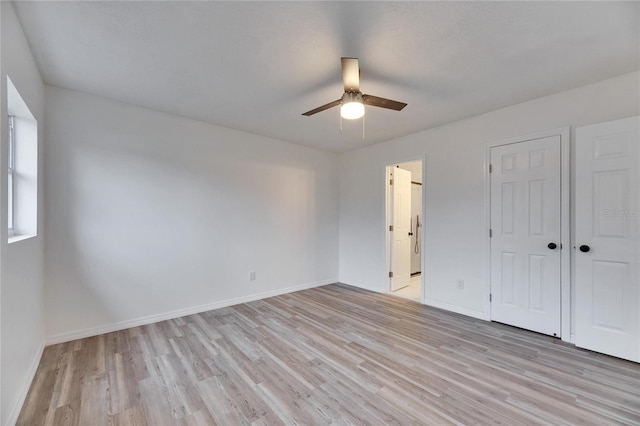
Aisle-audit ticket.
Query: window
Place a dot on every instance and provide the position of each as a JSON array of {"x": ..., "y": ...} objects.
[
  {"x": 22, "y": 168},
  {"x": 11, "y": 158}
]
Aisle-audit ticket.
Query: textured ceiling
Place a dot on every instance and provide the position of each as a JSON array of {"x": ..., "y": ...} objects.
[{"x": 256, "y": 66}]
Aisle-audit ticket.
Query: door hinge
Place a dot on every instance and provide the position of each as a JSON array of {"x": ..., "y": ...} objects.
[
  {"x": 490, "y": 233},
  {"x": 490, "y": 168},
  {"x": 390, "y": 181},
  {"x": 390, "y": 228},
  {"x": 490, "y": 297},
  {"x": 390, "y": 274}
]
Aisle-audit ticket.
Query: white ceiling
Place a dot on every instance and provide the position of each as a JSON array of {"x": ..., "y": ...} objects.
[{"x": 256, "y": 66}]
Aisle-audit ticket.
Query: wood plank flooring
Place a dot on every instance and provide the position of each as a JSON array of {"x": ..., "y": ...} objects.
[{"x": 333, "y": 354}]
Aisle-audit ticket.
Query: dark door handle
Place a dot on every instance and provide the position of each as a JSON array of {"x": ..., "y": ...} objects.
[
  {"x": 552, "y": 246},
  {"x": 585, "y": 248}
]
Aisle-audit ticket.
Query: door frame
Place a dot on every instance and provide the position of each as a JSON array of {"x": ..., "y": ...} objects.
[
  {"x": 387, "y": 222},
  {"x": 565, "y": 222}
]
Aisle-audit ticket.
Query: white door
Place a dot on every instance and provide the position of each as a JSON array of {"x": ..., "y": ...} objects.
[
  {"x": 607, "y": 242},
  {"x": 401, "y": 221},
  {"x": 525, "y": 242}
]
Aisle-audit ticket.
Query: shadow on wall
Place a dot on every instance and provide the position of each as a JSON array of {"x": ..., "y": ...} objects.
[{"x": 138, "y": 231}]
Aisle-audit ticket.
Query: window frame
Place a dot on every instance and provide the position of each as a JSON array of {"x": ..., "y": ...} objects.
[{"x": 11, "y": 175}]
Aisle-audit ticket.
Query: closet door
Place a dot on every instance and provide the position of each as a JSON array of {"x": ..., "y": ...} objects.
[
  {"x": 607, "y": 251},
  {"x": 525, "y": 242}
]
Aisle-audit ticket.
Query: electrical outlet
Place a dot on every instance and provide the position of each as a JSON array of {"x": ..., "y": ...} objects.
[
  {"x": 460, "y": 284},
  {"x": 252, "y": 276}
]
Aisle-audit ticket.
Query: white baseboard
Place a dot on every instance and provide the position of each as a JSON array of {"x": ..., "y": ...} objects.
[
  {"x": 456, "y": 309},
  {"x": 108, "y": 328},
  {"x": 14, "y": 412}
]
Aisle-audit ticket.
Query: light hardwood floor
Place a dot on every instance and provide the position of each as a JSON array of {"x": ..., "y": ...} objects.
[{"x": 333, "y": 354}]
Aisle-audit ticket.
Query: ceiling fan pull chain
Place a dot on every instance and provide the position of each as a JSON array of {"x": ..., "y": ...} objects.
[
  {"x": 363, "y": 127},
  {"x": 340, "y": 123}
]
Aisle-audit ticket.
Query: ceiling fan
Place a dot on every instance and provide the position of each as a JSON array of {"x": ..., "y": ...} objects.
[{"x": 353, "y": 100}]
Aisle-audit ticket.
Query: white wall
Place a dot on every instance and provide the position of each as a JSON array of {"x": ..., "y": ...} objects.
[
  {"x": 21, "y": 263},
  {"x": 454, "y": 224},
  {"x": 151, "y": 214}
]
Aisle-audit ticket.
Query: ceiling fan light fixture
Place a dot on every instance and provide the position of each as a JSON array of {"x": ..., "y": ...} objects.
[
  {"x": 352, "y": 101},
  {"x": 352, "y": 106}
]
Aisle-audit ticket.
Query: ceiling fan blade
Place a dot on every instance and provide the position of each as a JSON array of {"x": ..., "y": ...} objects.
[
  {"x": 383, "y": 103},
  {"x": 323, "y": 107},
  {"x": 351, "y": 74}
]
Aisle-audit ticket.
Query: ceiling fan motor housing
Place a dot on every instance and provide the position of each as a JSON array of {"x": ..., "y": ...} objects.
[{"x": 352, "y": 97}]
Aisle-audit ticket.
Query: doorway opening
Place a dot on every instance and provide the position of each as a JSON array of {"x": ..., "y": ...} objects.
[{"x": 405, "y": 230}]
